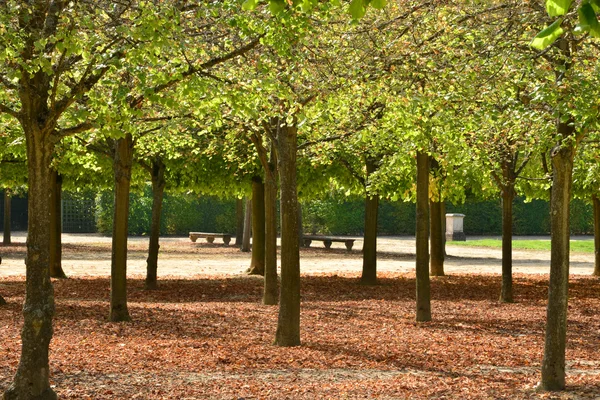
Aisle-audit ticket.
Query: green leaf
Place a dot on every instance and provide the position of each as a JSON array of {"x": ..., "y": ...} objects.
[
  {"x": 378, "y": 4},
  {"x": 250, "y": 5},
  {"x": 588, "y": 21},
  {"x": 276, "y": 6},
  {"x": 357, "y": 9},
  {"x": 595, "y": 5},
  {"x": 556, "y": 8},
  {"x": 546, "y": 37}
]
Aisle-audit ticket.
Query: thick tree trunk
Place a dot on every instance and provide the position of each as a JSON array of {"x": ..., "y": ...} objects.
[
  {"x": 506, "y": 294},
  {"x": 158, "y": 190},
  {"x": 122, "y": 163},
  {"x": 247, "y": 226},
  {"x": 553, "y": 364},
  {"x": 369, "y": 270},
  {"x": 239, "y": 221},
  {"x": 7, "y": 204},
  {"x": 422, "y": 263},
  {"x": 257, "y": 263},
  {"x": 288, "y": 324},
  {"x": 596, "y": 204},
  {"x": 31, "y": 380},
  {"x": 437, "y": 234},
  {"x": 56, "y": 270},
  {"x": 271, "y": 288}
]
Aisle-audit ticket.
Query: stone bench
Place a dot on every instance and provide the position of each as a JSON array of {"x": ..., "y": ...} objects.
[
  {"x": 210, "y": 237},
  {"x": 327, "y": 241}
]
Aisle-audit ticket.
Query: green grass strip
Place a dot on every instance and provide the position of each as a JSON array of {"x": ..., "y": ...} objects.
[{"x": 584, "y": 246}]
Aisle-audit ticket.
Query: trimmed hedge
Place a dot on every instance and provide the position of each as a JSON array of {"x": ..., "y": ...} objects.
[
  {"x": 181, "y": 214},
  {"x": 336, "y": 215}
]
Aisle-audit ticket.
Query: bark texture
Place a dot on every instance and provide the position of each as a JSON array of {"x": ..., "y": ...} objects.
[
  {"x": 158, "y": 190},
  {"x": 288, "y": 323},
  {"x": 596, "y": 204},
  {"x": 239, "y": 221},
  {"x": 7, "y": 211},
  {"x": 437, "y": 235},
  {"x": 508, "y": 194},
  {"x": 553, "y": 364},
  {"x": 31, "y": 380},
  {"x": 369, "y": 270},
  {"x": 422, "y": 239},
  {"x": 56, "y": 270},
  {"x": 122, "y": 163},
  {"x": 257, "y": 263},
  {"x": 247, "y": 226},
  {"x": 271, "y": 288}
]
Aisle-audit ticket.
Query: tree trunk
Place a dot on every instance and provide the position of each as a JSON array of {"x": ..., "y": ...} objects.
[
  {"x": 122, "y": 163},
  {"x": 56, "y": 270},
  {"x": 596, "y": 204},
  {"x": 553, "y": 364},
  {"x": 300, "y": 227},
  {"x": 422, "y": 263},
  {"x": 158, "y": 190},
  {"x": 506, "y": 294},
  {"x": 239, "y": 221},
  {"x": 437, "y": 238},
  {"x": 288, "y": 324},
  {"x": 271, "y": 288},
  {"x": 369, "y": 270},
  {"x": 31, "y": 380},
  {"x": 247, "y": 226},
  {"x": 257, "y": 264},
  {"x": 7, "y": 204}
]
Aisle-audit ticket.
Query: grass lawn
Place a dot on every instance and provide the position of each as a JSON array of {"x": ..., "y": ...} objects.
[{"x": 585, "y": 246}]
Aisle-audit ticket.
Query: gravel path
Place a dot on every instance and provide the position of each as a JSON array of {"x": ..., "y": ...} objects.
[{"x": 89, "y": 254}]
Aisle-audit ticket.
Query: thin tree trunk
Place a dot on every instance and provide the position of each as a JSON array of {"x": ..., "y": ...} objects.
[
  {"x": 422, "y": 263},
  {"x": 239, "y": 221},
  {"x": 122, "y": 163},
  {"x": 56, "y": 270},
  {"x": 553, "y": 364},
  {"x": 271, "y": 287},
  {"x": 31, "y": 380},
  {"x": 596, "y": 205},
  {"x": 437, "y": 238},
  {"x": 288, "y": 324},
  {"x": 7, "y": 204},
  {"x": 369, "y": 270},
  {"x": 257, "y": 263},
  {"x": 506, "y": 294},
  {"x": 158, "y": 190},
  {"x": 247, "y": 226},
  {"x": 443, "y": 212},
  {"x": 300, "y": 227}
]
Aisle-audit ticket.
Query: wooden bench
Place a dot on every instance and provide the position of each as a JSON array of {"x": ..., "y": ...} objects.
[
  {"x": 210, "y": 237},
  {"x": 327, "y": 241}
]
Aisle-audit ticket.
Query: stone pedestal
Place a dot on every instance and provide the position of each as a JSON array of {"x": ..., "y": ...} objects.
[{"x": 454, "y": 228}]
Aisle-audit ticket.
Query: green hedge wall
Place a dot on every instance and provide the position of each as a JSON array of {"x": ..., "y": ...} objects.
[
  {"x": 181, "y": 214},
  {"x": 336, "y": 216}
]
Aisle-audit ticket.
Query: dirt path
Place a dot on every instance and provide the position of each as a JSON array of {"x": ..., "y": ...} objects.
[{"x": 88, "y": 254}]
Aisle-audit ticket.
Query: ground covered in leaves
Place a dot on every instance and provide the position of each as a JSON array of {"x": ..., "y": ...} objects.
[{"x": 209, "y": 337}]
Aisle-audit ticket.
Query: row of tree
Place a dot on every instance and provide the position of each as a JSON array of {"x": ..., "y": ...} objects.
[{"x": 421, "y": 101}]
